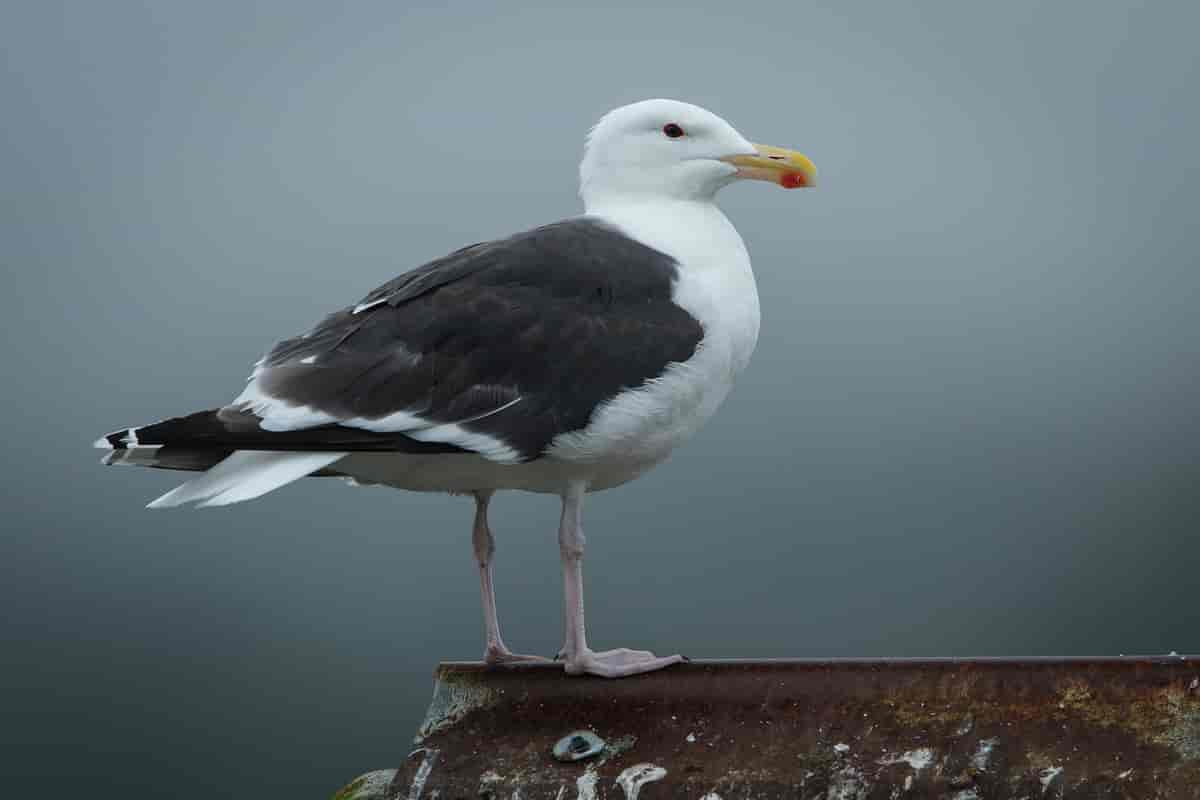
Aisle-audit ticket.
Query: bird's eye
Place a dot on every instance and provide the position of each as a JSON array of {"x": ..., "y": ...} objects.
[{"x": 672, "y": 130}]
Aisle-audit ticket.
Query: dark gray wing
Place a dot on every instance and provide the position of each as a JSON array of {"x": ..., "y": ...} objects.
[{"x": 519, "y": 339}]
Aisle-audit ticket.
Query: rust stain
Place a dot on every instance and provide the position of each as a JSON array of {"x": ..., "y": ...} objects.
[{"x": 1074, "y": 729}]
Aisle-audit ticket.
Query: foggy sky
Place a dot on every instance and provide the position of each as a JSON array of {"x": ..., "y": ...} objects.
[{"x": 970, "y": 427}]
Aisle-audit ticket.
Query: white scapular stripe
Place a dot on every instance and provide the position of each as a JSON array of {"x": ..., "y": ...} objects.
[{"x": 278, "y": 415}]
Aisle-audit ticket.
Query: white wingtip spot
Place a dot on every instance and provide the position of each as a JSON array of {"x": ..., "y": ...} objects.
[{"x": 102, "y": 444}]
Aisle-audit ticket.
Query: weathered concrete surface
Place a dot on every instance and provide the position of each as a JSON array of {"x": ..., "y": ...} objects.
[
  {"x": 836, "y": 730},
  {"x": 372, "y": 786}
]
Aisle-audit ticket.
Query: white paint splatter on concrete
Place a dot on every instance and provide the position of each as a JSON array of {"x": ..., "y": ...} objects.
[
  {"x": 1048, "y": 777},
  {"x": 918, "y": 759},
  {"x": 632, "y": 780},
  {"x": 419, "y": 779},
  {"x": 847, "y": 784},
  {"x": 585, "y": 785},
  {"x": 983, "y": 753}
]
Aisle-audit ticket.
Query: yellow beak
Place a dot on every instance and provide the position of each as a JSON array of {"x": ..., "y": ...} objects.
[{"x": 787, "y": 168}]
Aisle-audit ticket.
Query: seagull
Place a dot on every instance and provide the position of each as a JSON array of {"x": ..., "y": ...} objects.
[{"x": 565, "y": 359}]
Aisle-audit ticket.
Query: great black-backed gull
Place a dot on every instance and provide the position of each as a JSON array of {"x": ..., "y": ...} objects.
[{"x": 565, "y": 359}]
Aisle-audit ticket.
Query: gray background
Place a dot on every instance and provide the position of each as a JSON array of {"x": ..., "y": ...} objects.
[{"x": 970, "y": 427}]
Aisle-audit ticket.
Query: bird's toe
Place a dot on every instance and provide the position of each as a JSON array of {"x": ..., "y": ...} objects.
[
  {"x": 495, "y": 656},
  {"x": 618, "y": 663}
]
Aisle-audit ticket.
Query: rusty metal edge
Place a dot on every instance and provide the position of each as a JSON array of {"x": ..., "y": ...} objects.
[{"x": 881, "y": 661}]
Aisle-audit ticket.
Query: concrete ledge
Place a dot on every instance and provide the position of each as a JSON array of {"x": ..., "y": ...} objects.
[{"x": 967, "y": 729}]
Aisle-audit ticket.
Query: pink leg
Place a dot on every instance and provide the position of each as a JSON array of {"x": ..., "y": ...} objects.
[
  {"x": 578, "y": 658},
  {"x": 495, "y": 651}
]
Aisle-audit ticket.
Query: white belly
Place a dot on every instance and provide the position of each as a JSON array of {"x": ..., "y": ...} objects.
[{"x": 642, "y": 426}]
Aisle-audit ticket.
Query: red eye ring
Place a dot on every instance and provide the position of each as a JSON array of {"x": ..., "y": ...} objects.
[{"x": 672, "y": 131}]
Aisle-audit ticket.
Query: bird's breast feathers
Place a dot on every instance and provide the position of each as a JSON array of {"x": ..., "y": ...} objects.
[{"x": 716, "y": 286}]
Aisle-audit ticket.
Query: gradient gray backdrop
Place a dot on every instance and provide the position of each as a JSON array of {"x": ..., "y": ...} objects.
[{"x": 970, "y": 427}]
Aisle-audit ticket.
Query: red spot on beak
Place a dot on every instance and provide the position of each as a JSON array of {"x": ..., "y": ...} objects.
[{"x": 792, "y": 180}]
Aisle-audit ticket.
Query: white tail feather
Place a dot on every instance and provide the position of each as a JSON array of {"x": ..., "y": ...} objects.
[{"x": 244, "y": 475}]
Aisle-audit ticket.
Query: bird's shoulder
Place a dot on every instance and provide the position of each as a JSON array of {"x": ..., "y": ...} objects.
[
  {"x": 577, "y": 258},
  {"x": 578, "y": 271}
]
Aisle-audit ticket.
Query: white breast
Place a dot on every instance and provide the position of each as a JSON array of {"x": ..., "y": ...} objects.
[{"x": 640, "y": 427}]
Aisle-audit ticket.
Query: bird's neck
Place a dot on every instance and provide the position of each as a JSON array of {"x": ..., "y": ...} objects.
[
  {"x": 694, "y": 232},
  {"x": 694, "y": 181}
]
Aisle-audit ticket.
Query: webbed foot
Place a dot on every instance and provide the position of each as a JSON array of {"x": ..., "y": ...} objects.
[{"x": 618, "y": 663}]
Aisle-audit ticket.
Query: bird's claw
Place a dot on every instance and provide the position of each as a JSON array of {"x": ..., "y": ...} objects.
[{"x": 498, "y": 655}]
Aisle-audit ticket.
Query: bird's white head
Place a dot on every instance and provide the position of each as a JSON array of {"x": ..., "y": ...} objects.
[{"x": 673, "y": 150}]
